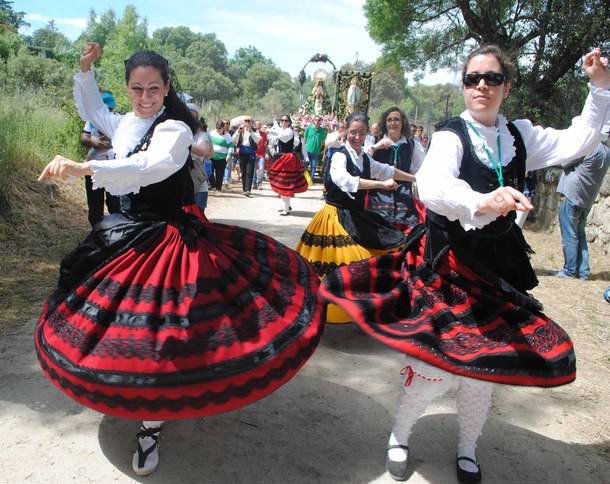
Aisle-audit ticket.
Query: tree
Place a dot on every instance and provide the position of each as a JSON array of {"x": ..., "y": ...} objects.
[
  {"x": 243, "y": 59},
  {"x": 178, "y": 38},
  {"x": 202, "y": 81},
  {"x": 9, "y": 19},
  {"x": 49, "y": 40},
  {"x": 98, "y": 29},
  {"x": 248, "y": 56},
  {"x": 547, "y": 37},
  {"x": 208, "y": 51},
  {"x": 129, "y": 36},
  {"x": 25, "y": 70},
  {"x": 388, "y": 82},
  {"x": 258, "y": 79},
  {"x": 10, "y": 42}
]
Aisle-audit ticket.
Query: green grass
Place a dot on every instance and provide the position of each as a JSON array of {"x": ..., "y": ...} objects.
[{"x": 33, "y": 129}]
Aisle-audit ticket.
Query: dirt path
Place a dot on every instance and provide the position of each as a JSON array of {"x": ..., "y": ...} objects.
[{"x": 330, "y": 423}]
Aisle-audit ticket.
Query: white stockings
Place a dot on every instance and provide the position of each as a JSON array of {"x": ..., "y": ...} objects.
[
  {"x": 285, "y": 203},
  {"x": 422, "y": 384}
]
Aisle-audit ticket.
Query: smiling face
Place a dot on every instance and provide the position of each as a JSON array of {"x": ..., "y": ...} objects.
[
  {"x": 394, "y": 125},
  {"x": 356, "y": 134},
  {"x": 146, "y": 90},
  {"x": 483, "y": 101}
]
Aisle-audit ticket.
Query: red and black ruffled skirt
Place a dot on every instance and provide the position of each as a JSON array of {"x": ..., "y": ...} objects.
[
  {"x": 451, "y": 318},
  {"x": 287, "y": 175},
  {"x": 150, "y": 324}
]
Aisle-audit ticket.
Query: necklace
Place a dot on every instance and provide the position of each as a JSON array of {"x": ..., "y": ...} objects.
[{"x": 496, "y": 164}]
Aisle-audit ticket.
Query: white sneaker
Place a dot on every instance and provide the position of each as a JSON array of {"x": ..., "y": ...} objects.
[
  {"x": 146, "y": 458},
  {"x": 283, "y": 212}
]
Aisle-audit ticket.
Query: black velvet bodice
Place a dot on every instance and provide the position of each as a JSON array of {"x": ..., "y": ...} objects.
[
  {"x": 165, "y": 198},
  {"x": 287, "y": 147},
  {"x": 497, "y": 250},
  {"x": 336, "y": 196}
]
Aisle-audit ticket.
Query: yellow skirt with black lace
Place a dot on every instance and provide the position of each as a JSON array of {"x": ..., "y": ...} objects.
[{"x": 327, "y": 245}]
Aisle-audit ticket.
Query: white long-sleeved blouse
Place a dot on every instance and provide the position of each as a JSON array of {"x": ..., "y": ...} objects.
[
  {"x": 348, "y": 183},
  {"x": 277, "y": 133},
  {"x": 442, "y": 191},
  {"x": 166, "y": 154}
]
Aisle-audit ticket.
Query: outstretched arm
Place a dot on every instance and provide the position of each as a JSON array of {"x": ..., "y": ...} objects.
[
  {"x": 548, "y": 146},
  {"x": 62, "y": 168}
]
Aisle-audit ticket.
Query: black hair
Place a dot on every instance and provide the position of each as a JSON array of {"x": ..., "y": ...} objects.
[
  {"x": 405, "y": 129},
  {"x": 174, "y": 106},
  {"x": 357, "y": 117},
  {"x": 202, "y": 124},
  {"x": 507, "y": 66},
  {"x": 289, "y": 118}
]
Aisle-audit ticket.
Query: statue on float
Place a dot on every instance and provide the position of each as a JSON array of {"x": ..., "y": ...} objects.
[{"x": 318, "y": 102}]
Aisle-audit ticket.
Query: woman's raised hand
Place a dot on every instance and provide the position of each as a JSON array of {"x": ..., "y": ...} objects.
[
  {"x": 62, "y": 168},
  {"x": 596, "y": 68},
  {"x": 504, "y": 200},
  {"x": 91, "y": 53}
]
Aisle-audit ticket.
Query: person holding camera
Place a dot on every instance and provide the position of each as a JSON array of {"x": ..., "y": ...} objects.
[{"x": 246, "y": 139}]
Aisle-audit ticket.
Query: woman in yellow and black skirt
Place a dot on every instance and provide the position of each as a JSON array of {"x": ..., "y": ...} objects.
[{"x": 343, "y": 232}]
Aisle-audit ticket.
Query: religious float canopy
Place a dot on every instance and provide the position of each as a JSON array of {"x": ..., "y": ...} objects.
[{"x": 351, "y": 93}]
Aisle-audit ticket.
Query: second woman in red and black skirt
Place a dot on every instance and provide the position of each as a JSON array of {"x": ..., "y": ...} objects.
[
  {"x": 287, "y": 173},
  {"x": 455, "y": 300}
]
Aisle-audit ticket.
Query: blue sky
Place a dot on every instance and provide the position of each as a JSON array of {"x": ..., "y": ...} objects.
[{"x": 287, "y": 32}]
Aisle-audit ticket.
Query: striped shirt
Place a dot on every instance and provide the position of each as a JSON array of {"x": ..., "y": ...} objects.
[{"x": 223, "y": 145}]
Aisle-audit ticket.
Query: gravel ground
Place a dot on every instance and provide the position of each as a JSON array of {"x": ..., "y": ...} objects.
[{"x": 330, "y": 423}]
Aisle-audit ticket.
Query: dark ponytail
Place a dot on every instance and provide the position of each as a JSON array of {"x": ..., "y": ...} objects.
[{"x": 174, "y": 106}]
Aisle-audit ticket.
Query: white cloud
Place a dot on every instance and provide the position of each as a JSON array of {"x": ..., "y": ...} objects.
[
  {"x": 291, "y": 36},
  {"x": 74, "y": 22}
]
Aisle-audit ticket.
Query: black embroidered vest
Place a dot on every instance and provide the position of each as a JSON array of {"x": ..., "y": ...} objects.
[
  {"x": 287, "y": 147},
  {"x": 336, "y": 196},
  {"x": 166, "y": 197},
  {"x": 498, "y": 249}
]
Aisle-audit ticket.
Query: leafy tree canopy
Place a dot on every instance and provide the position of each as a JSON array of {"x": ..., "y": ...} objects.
[
  {"x": 9, "y": 19},
  {"x": 546, "y": 37}
]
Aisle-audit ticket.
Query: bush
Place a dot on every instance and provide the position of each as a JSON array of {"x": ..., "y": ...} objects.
[{"x": 35, "y": 128}]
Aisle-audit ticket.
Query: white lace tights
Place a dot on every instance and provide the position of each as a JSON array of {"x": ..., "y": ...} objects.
[{"x": 422, "y": 384}]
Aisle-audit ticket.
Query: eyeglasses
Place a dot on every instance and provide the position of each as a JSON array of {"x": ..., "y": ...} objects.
[
  {"x": 287, "y": 120},
  {"x": 472, "y": 79},
  {"x": 247, "y": 120},
  {"x": 394, "y": 120}
]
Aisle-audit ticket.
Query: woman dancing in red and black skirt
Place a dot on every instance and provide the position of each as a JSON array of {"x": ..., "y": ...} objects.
[
  {"x": 159, "y": 315},
  {"x": 455, "y": 301},
  {"x": 287, "y": 174}
]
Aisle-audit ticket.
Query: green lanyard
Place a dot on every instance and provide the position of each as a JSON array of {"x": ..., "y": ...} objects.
[
  {"x": 497, "y": 165},
  {"x": 395, "y": 149}
]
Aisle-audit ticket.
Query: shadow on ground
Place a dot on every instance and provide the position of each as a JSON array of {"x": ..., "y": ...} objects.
[
  {"x": 316, "y": 431},
  {"x": 276, "y": 442}
]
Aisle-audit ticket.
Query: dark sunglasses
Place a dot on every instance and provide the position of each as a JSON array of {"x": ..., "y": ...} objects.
[
  {"x": 287, "y": 120},
  {"x": 491, "y": 78}
]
